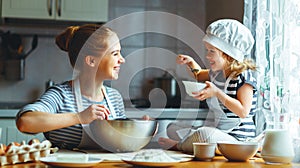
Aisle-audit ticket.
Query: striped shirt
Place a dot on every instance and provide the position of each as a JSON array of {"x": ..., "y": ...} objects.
[
  {"x": 246, "y": 128},
  {"x": 60, "y": 98}
]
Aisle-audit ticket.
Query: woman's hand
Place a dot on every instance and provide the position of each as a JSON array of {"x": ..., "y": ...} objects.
[
  {"x": 209, "y": 91},
  {"x": 93, "y": 112}
]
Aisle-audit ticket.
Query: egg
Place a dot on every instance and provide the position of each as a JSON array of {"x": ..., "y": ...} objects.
[
  {"x": 2, "y": 149},
  {"x": 34, "y": 141}
]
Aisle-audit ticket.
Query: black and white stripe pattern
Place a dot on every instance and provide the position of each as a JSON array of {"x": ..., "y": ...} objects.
[
  {"x": 246, "y": 128},
  {"x": 61, "y": 99}
]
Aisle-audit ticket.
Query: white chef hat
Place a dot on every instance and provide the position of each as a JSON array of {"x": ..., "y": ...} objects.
[{"x": 231, "y": 37}]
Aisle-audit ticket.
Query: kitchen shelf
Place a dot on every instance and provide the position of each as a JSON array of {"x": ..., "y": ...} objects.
[
  {"x": 39, "y": 27},
  {"x": 32, "y": 30}
]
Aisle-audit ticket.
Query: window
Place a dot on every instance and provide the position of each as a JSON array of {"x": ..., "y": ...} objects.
[{"x": 276, "y": 27}]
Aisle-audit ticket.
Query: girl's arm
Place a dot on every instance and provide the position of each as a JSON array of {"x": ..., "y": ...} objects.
[
  {"x": 240, "y": 106},
  {"x": 193, "y": 68},
  {"x": 203, "y": 75}
]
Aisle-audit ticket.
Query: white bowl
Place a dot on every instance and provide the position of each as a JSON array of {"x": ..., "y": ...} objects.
[
  {"x": 204, "y": 151},
  {"x": 193, "y": 87},
  {"x": 237, "y": 151}
]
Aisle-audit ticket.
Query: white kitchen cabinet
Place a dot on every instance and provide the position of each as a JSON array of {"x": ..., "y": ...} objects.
[
  {"x": 67, "y": 10},
  {"x": 10, "y": 133}
]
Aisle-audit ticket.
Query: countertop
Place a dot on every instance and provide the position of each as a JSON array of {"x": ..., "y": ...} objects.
[
  {"x": 113, "y": 160},
  {"x": 10, "y": 109},
  {"x": 168, "y": 113},
  {"x": 8, "y": 113},
  {"x": 158, "y": 113}
]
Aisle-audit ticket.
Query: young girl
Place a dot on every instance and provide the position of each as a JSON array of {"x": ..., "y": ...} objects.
[{"x": 231, "y": 92}]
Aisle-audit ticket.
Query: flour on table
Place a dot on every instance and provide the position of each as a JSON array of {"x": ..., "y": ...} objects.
[{"x": 152, "y": 155}]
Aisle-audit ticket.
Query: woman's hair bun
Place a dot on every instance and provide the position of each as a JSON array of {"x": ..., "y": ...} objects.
[{"x": 63, "y": 39}]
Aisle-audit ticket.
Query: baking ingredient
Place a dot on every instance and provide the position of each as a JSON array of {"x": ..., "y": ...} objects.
[
  {"x": 23, "y": 152},
  {"x": 152, "y": 155},
  {"x": 72, "y": 158}
]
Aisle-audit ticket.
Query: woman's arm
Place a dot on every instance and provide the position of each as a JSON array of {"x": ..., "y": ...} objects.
[
  {"x": 240, "y": 106},
  {"x": 36, "y": 122}
]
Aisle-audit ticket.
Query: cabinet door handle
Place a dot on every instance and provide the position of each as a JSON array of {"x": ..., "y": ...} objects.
[
  {"x": 58, "y": 7},
  {"x": 49, "y": 7}
]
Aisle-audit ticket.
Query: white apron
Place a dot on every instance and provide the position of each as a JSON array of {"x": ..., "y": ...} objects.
[
  {"x": 216, "y": 116},
  {"x": 87, "y": 140}
]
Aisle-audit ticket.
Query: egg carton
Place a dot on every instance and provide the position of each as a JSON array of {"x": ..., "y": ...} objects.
[{"x": 21, "y": 153}]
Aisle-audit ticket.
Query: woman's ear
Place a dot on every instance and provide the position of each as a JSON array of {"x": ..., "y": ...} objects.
[{"x": 90, "y": 60}]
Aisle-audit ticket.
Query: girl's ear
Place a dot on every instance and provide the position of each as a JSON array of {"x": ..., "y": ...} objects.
[{"x": 90, "y": 60}]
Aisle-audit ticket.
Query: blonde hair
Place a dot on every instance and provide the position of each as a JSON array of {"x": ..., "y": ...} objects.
[{"x": 233, "y": 65}]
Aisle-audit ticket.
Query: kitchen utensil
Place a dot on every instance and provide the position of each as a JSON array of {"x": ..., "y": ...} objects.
[
  {"x": 13, "y": 47},
  {"x": 204, "y": 151},
  {"x": 168, "y": 84},
  {"x": 277, "y": 147},
  {"x": 13, "y": 50},
  {"x": 75, "y": 162},
  {"x": 193, "y": 87},
  {"x": 156, "y": 164},
  {"x": 237, "y": 151},
  {"x": 123, "y": 135},
  {"x": 34, "y": 44},
  {"x": 166, "y": 91},
  {"x": 153, "y": 158}
]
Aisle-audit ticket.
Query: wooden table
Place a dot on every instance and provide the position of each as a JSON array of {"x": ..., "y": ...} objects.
[{"x": 217, "y": 162}]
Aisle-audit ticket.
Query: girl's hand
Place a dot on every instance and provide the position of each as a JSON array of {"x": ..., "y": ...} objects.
[
  {"x": 93, "y": 112},
  {"x": 184, "y": 59},
  {"x": 209, "y": 91}
]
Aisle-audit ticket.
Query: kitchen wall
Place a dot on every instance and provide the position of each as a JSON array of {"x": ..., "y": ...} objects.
[
  {"x": 141, "y": 50},
  {"x": 46, "y": 62},
  {"x": 154, "y": 50}
]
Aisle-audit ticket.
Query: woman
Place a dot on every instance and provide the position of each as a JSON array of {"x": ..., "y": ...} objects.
[
  {"x": 60, "y": 113},
  {"x": 231, "y": 91}
]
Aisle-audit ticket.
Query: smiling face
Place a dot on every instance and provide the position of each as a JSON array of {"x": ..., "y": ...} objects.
[
  {"x": 110, "y": 62},
  {"x": 215, "y": 57}
]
